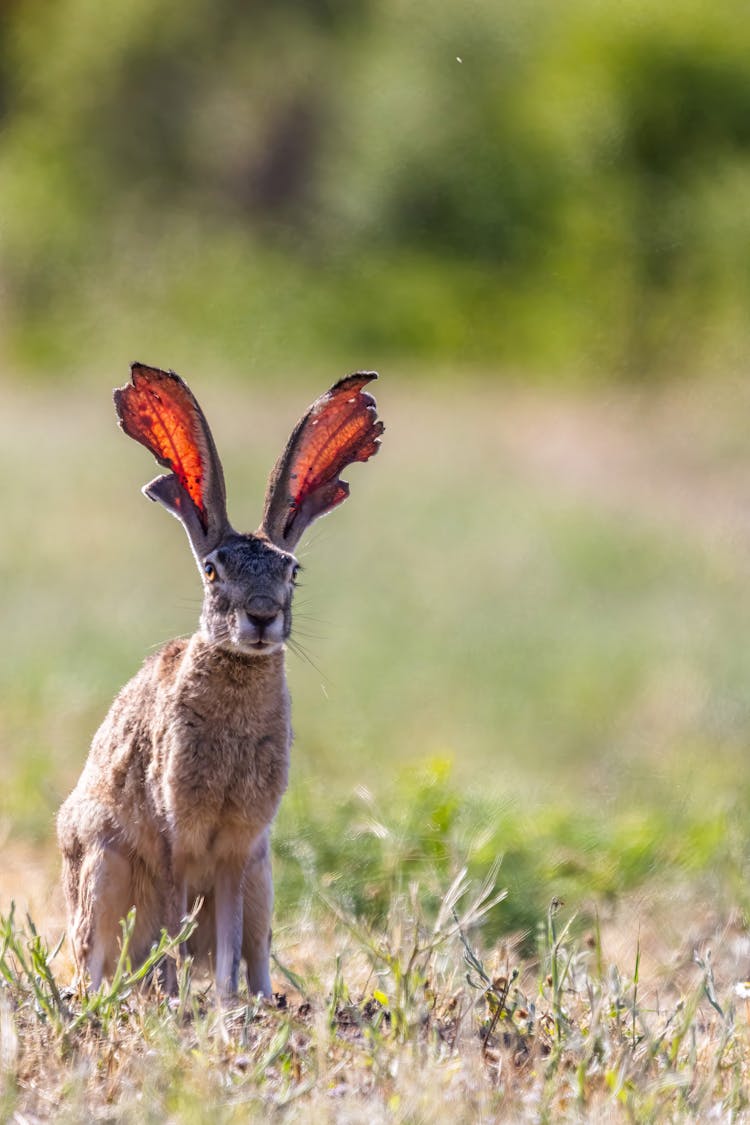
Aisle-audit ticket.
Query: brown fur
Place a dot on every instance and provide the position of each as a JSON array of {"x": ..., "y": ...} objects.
[{"x": 183, "y": 778}]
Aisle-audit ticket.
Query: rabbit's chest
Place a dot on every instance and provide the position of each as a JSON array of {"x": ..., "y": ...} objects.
[
  {"x": 220, "y": 792},
  {"x": 220, "y": 760}
]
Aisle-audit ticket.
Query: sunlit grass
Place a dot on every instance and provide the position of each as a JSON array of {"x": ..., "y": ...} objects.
[{"x": 395, "y": 1022}]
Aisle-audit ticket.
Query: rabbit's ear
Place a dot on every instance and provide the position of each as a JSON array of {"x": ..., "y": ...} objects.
[
  {"x": 340, "y": 427},
  {"x": 158, "y": 409}
]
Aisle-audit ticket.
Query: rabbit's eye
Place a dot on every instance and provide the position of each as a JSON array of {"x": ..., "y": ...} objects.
[
  {"x": 210, "y": 571},
  {"x": 295, "y": 572}
]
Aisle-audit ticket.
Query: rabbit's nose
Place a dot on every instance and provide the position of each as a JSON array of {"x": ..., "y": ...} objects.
[
  {"x": 261, "y": 624},
  {"x": 261, "y": 620},
  {"x": 261, "y": 612}
]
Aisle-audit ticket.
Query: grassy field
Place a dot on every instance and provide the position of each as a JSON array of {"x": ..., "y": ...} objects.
[{"x": 527, "y": 642}]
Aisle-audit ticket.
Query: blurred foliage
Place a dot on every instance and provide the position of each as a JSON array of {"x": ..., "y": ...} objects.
[
  {"x": 364, "y": 853},
  {"x": 559, "y": 187}
]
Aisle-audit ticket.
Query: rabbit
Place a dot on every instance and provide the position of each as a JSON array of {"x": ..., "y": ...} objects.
[{"x": 186, "y": 773}]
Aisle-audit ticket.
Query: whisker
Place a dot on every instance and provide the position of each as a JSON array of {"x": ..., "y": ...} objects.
[
  {"x": 298, "y": 650},
  {"x": 160, "y": 644}
]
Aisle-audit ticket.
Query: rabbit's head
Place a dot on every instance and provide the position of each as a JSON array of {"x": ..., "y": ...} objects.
[
  {"x": 249, "y": 579},
  {"x": 248, "y": 587}
]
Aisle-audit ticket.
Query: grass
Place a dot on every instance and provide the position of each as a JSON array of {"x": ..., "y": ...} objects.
[
  {"x": 527, "y": 634},
  {"x": 407, "y": 1021}
]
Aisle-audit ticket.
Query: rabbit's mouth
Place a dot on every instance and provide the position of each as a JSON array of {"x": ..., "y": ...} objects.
[
  {"x": 242, "y": 647},
  {"x": 259, "y": 635},
  {"x": 260, "y": 648}
]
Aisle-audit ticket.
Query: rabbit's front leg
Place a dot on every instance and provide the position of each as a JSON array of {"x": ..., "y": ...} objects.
[
  {"x": 228, "y": 906},
  {"x": 256, "y": 924}
]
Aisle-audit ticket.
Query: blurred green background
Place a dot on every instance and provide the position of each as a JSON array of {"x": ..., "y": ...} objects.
[
  {"x": 560, "y": 188},
  {"x": 528, "y": 629}
]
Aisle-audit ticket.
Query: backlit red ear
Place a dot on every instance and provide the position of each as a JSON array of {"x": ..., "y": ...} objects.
[
  {"x": 339, "y": 428},
  {"x": 159, "y": 410}
]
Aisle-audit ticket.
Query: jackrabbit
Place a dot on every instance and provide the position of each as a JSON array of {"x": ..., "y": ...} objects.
[{"x": 186, "y": 772}]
